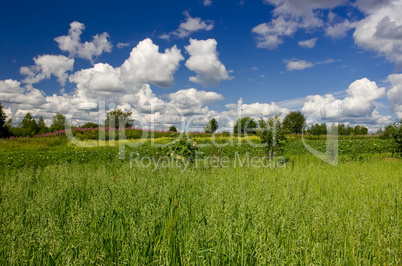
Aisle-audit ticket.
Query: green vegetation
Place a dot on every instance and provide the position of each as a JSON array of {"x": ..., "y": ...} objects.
[
  {"x": 245, "y": 125},
  {"x": 118, "y": 118},
  {"x": 294, "y": 122},
  {"x": 167, "y": 198},
  {"x": 102, "y": 211},
  {"x": 173, "y": 129},
  {"x": 212, "y": 126},
  {"x": 4, "y": 130},
  {"x": 272, "y": 135}
]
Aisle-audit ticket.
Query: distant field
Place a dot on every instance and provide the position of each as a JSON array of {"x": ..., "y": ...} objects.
[{"x": 65, "y": 204}]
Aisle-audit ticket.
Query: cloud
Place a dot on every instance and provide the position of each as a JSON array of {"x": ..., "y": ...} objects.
[
  {"x": 358, "y": 107},
  {"x": 99, "y": 81},
  {"x": 191, "y": 101},
  {"x": 207, "y": 2},
  {"x": 381, "y": 30},
  {"x": 269, "y": 35},
  {"x": 72, "y": 44},
  {"x": 340, "y": 29},
  {"x": 302, "y": 8},
  {"x": 122, "y": 45},
  {"x": 47, "y": 65},
  {"x": 308, "y": 43},
  {"x": 288, "y": 17},
  {"x": 296, "y": 64},
  {"x": 146, "y": 64},
  {"x": 395, "y": 94},
  {"x": 255, "y": 110},
  {"x": 189, "y": 26},
  {"x": 316, "y": 102},
  {"x": 205, "y": 62},
  {"x": 360, "y": 99}
]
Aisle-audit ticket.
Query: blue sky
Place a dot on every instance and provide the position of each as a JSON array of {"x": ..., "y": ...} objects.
[{"x": 205, "y": 57}]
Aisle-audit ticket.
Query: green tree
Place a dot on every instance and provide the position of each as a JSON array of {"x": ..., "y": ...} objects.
[
  {"x": 397, "y": 137},
  {"x": 117, "y": 118},
  {"x": 272, "y": 135},
  {"x": 59, "y": 121},
  {"x": 212, "y": 126},
  {"x": 294, "y": 122},
  {"x": 360, "y": 130},
  {"x": 4, "y": 130},
  {"x": 172, "y": 129},
  {"x": 387, "y": 132},
  {"x": 28, "y": 126},
  {"x": 245, "y": 125},
  {"x": 90, "y": 125},
  {"x": 42, "y": 128},
  {"x": 318, "y": 129}
]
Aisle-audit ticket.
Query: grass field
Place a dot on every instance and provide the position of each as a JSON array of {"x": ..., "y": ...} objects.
[{"x": 85, "y": 206}]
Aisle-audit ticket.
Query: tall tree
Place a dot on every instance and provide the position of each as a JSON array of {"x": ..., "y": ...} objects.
[
  {"x": 294, "y": 122},
  {"x": 271, "y": 135},
  {"x": 59, "y": 121},
  {"x": 4, "y": 132},
  {"x": 212, "y": 126},
  {"x": 245, "y": 125},
  {"x": 42, "y": 128},
  {"x": 28, "y": 126},
  {"x": 172, "y": 129},
  {"x": 114, "y": 117}
]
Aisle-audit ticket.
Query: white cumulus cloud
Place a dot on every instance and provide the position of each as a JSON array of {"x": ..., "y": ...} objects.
[
  {"x": 381, "y": 30},
  {"x": 47, "y": 65},
  {"x": 296, "y": 64},
  {"x": 147, "y": 64},
  {"x": 205, "y": 62},
  {"x": 360, "y": 99},
  {"x": 72, "y": 44},
  {"x": 189, "y": 26},
  {"x": 395, "y": 94}
]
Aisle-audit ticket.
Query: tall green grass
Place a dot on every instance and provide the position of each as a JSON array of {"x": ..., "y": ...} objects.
[{"x": 104, "y": 213}]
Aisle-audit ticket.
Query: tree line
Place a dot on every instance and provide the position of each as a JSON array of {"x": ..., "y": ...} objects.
[{"x": 293, "y": 123}]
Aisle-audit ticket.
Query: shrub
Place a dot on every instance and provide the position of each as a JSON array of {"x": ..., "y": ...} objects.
[{"x": 183, "y": 149}]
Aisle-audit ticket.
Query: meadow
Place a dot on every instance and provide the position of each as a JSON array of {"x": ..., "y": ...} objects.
[{"x": 62, "y": 204}]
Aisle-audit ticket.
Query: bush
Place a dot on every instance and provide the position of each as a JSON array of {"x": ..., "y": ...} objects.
[
  {"x": 172, "y": 129},
  {"x": 245, "y": 125},
  {"x": 183, "y": 149}
]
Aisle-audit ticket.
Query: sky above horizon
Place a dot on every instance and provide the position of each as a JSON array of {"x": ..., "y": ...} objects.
[{"x": 334, "y": 60}]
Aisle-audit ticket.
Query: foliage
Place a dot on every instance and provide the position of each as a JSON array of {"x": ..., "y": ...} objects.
[
  {"x": 318, "y": 129},
  {"x": 245, "y": 125},
  {"x": 182, "y": 149},
  {"x": 4, "y": 131},
  {"x": 360, "y": 130},
  {"x": 397, "y": 137},
  {"x": 59, "y": 121},
  {"x": 28, "y": 126},
  {"x": 343, "y": 130},
  {"x": 271, "y": 134},
  {"x": 90, "y": 125},
  {"x": 212, "y": 126},
  {"x": 294, "y": 122},
  {"x": 388, "y": 132},
  {"x": 172, "y": 129},
  {"x": 117, "y": 118},
  {"x": 42, "y": 128}
]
